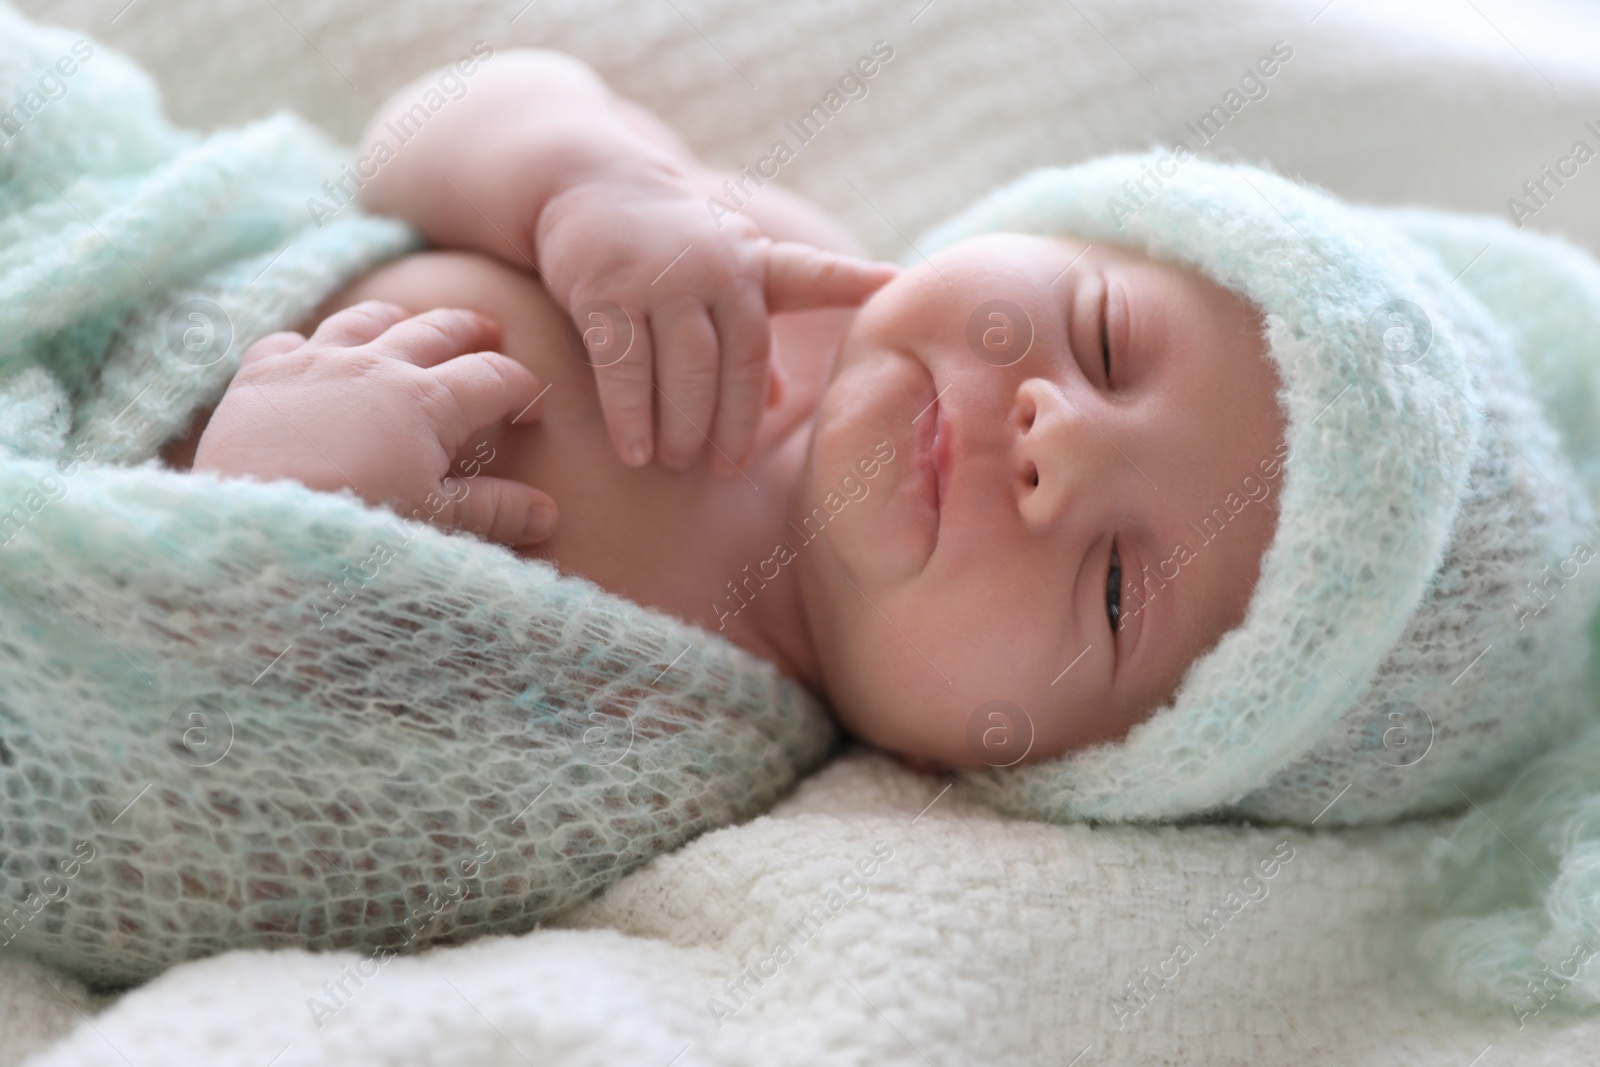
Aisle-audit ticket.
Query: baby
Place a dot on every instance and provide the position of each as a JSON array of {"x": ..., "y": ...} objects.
[
  {"x": 1159, "y": 489},
  {"x": 913, "y": 491}
]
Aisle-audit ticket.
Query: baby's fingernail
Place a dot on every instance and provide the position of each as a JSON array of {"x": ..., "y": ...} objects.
[
  {"x": 638, "y": 452},
  {"x": 541, "y": 517}
]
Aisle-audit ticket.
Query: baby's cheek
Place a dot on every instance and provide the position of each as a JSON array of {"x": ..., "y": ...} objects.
[{"x": 902, "y": 703}]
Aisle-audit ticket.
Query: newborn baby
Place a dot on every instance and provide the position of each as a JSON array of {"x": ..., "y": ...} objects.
[{"x": 913, "y": 491}]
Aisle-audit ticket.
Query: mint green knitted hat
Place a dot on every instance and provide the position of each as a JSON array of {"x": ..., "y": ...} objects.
[{"x": 1417, "y": 629}]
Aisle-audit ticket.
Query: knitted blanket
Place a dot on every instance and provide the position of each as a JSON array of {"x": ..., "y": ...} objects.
[{"x": 240, "y": 714}]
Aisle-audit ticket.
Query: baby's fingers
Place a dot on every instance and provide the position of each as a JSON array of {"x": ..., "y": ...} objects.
[
  {"x": 745, "y": 340},
  {"x": 800, "y": 276},
  {"x": 358, "y": 324},
  {"x": 499, "y": 510},
  {"x": 686, "y": 365},
  {"x": 274, "y": 344},
  {"x": 478, "y": 390},
  {"x": 431, "y": 338},
  {"x": 617, "y": 344}
]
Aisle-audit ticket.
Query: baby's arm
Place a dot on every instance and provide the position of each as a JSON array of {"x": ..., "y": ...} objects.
[
  {"x": 531, "y": 122},
  {"x": 539, "y": 165},
  {"x": 477, "y": 175}
]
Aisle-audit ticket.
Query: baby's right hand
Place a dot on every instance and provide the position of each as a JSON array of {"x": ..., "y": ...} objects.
[
  {"x": 634, "y": 255},
  {"x": 380, "y": 401}
]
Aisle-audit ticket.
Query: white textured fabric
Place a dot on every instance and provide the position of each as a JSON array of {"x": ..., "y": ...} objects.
[
  {"x": 983, "y": 940},
  {"x": 977, "y": 941}
]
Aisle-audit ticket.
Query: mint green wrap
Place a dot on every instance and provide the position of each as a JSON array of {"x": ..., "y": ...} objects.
[{"x": 243, "y": 714}]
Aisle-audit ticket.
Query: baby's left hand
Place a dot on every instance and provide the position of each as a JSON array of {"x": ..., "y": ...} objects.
[{"x": 380, "y": 401}]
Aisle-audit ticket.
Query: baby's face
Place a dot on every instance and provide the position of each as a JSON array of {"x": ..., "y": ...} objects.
[{"x": 1046, "y": 534}]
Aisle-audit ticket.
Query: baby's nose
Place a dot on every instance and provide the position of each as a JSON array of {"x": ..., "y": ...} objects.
[{"x": 1058, "y": 454}]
